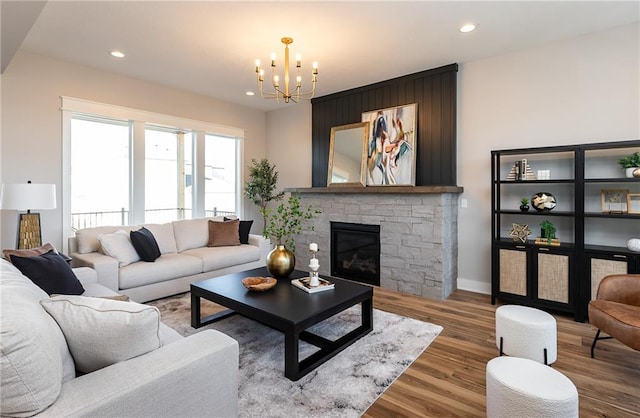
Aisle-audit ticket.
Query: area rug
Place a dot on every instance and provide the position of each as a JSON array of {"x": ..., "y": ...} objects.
[{"x": 344, "y": 386}]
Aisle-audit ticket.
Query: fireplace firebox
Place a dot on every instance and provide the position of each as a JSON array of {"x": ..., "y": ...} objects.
[{"x": 355, "y": 252}]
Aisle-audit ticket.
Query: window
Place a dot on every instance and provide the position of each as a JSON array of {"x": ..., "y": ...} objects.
[
  {"x": 99, "y": 172},
  {"x": 125, "y": 166},
  {"x": 220, "y": 173}
]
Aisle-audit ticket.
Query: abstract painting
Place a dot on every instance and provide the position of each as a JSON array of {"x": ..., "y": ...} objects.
[{"x": 391, "y": 148}]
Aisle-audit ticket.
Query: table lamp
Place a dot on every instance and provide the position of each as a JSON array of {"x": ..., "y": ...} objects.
[{"x": 27, "y": 197}]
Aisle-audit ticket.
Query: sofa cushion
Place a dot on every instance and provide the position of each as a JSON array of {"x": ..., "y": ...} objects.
[
  {"x": 101, "y": 332},
  {"x": 215, "y": 258},
  {"x": 32, "y": 252},
  {"x": 50, "y": 272},
  {"x": 167, "y": 267},
  {"x": 244, "y": 230},
  {"x": 118, "y": 245},
  {"x": 145, "y": 244},
  {"x": 191, "y": 233},
  {"x": 224, "y": 233},
  {"x": 87, "y": 238},
  {"x": 164, "y": 237},
  {"x": 34, "y": 358}
]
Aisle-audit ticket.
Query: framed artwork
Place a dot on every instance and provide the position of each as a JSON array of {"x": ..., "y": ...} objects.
[
  {"x": 633, "y": 203},
  {"x": 391, "y": 147},
  {"x": 614, "y": 200}
]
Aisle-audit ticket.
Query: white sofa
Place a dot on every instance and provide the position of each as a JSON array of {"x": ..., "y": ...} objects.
[
  {"x": 183, "y": 377},
  {"x": 185, "y": 258}
]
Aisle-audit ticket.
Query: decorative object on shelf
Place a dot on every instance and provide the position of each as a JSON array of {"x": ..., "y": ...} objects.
[
  {"x": 633, "y": 203},
  {"x": 281, "y": 262},
  {"x": 614, "y": 200},
  {"x": 304, "y": 284},
  {"x": 520, "y": 232},
  {"x": 631, "y": 164},
  {"x": 28, "y": 196},
  {"x": 286, "y": 94},
  {"x": 548, "y": 233},
  {"x": 260, "y": 189},
  {"x": 259, "y": 284},
  {"x": 544, "y": 174},
  {"x": 391, "y": 150},
  {"x": 634, "y": 245},
  {"x": 543, "y": 201},
  {"x": 314, "y": 265},
  {"x": 524, "y": 204},
  {"x": 521, "y": 170}
]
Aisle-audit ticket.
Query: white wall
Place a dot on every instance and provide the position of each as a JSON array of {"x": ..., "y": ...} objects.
[
  {"x": 582, "y": 90},
  {"x": 31, "y": 143}
]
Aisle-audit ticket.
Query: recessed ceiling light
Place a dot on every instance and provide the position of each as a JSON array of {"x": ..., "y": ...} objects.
[
  {"x": 250, "y": 93},
  {"x": 117, "y": 54},
  {"x": 467, "y": 28}
]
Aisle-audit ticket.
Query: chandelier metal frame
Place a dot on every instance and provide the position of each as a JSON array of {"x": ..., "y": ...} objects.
[{"x": 286, "y": 94}]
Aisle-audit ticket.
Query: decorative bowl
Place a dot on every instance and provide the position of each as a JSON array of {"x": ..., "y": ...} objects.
[
  {"x": 259, "y": 284},
  {"x": 543, "y": 201}
]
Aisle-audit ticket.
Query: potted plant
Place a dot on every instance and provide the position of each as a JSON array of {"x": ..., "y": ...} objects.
[
  {"x": 547, "y": 230},
  {"x": 631, "y": 164},
  {"x": 281, "y": 226},
  {"x": 524, "y": 204},
  {"x": 260, "y": 188}
]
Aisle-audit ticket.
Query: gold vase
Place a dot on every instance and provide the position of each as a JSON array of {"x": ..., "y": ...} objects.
[{"x": 280, "y": 262}]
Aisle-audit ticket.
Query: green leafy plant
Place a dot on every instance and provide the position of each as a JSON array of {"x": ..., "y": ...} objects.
[
  {"x": 524, "y": 201},
  {"x": 549, "y": 230},
  {"x": 288, "y": 220},
  {"x": 260, "y": 189},
  {"x": 630, "y": 161}
]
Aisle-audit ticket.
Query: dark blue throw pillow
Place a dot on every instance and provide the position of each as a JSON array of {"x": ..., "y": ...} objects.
[
  {"x": 50, "y": 272},
  {"x": 244, "y": 229},
  {"x": 145, "y": 244}
]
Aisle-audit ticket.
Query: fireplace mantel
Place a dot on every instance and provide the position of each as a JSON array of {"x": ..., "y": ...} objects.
[{"x": 379, "y": 189}]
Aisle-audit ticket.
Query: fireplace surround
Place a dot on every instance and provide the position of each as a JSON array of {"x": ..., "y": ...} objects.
[{"x": 418, "y": 232}]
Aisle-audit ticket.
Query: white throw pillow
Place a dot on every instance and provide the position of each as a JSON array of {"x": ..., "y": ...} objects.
[
  {"x": 118, "y": 245},
  {"x": 101, "y": 332}
]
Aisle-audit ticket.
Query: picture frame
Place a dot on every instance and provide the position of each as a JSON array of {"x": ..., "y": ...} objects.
[
  {"x": 391, "y": 147},
  {"x": 614, "y": 200},
  {"x": 633, "y": 203}
]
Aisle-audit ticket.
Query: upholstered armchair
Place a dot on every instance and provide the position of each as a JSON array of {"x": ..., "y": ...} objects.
[{"x": 616, "y": 310}]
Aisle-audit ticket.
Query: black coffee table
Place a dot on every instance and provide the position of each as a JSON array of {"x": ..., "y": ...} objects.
[{"x": 289, "y": 310}]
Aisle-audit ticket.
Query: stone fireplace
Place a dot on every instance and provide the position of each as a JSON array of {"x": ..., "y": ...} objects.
[{"x": 417, "y": 227}]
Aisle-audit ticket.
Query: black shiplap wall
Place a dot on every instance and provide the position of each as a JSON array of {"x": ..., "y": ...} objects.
[{"x": 434, "y": 91}]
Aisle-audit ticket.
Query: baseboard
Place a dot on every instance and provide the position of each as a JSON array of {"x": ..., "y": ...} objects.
[{"x": 474, "y": 286}]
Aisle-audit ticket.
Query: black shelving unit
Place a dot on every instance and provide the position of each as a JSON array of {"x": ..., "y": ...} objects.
[{"x": 561, "y": 278}]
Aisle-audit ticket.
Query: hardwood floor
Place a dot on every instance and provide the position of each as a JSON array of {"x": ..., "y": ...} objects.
[{"x": 448, "y": 379}]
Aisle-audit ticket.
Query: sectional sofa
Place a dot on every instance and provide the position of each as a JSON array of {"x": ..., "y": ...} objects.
[
  {"x": 185, "y": 258},
  {"x": 90, "y": 356}
]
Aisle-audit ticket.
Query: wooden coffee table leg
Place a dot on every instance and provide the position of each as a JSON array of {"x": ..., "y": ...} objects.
[{"x": 195, "y": 311}]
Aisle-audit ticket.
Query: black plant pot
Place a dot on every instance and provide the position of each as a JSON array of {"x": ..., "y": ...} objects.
[{"x": 524, "y": 208}]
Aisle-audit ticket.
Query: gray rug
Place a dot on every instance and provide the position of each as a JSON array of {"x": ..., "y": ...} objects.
[{"x": 345, "y": 386}]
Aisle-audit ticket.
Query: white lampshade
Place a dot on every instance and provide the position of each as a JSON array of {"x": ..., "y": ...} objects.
[{"x": 28, "y": 196}]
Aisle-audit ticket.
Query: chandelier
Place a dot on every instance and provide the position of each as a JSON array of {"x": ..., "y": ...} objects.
[{"x": 278, "y": 93}]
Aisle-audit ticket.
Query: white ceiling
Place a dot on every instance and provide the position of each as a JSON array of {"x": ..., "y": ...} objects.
[{"x": 209, "y": 47}]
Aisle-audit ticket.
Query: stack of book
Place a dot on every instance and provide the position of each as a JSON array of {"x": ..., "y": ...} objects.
[{"x": 303, "y": 283}]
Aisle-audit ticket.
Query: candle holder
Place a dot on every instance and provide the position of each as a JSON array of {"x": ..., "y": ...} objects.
[{"x": 314, "y": 265}]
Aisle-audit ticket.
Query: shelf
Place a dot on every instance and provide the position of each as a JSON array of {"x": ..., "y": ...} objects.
[
  {"x": 558, "y": 181},
  {"x": 614, "y": 180},
  {"x": 534, "y": 213},
  {"x": 609, "y": 249},
  {"x": 507, "y": 241},
  {"x": 612, "y": 215}
]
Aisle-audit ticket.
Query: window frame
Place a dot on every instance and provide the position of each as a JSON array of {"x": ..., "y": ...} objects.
[{"x": 138, "y": 121}]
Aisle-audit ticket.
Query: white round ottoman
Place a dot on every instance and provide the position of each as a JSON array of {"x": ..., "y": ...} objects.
[
  {"x": 526, "y": 332},
  {"x": 519, "y": 387}
]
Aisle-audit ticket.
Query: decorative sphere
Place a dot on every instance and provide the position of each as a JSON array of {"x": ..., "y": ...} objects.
[
  {"x": 543, "y": 201},
  {"x": 634, "y": 244},
  {"x": 636, "y": 173}
]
